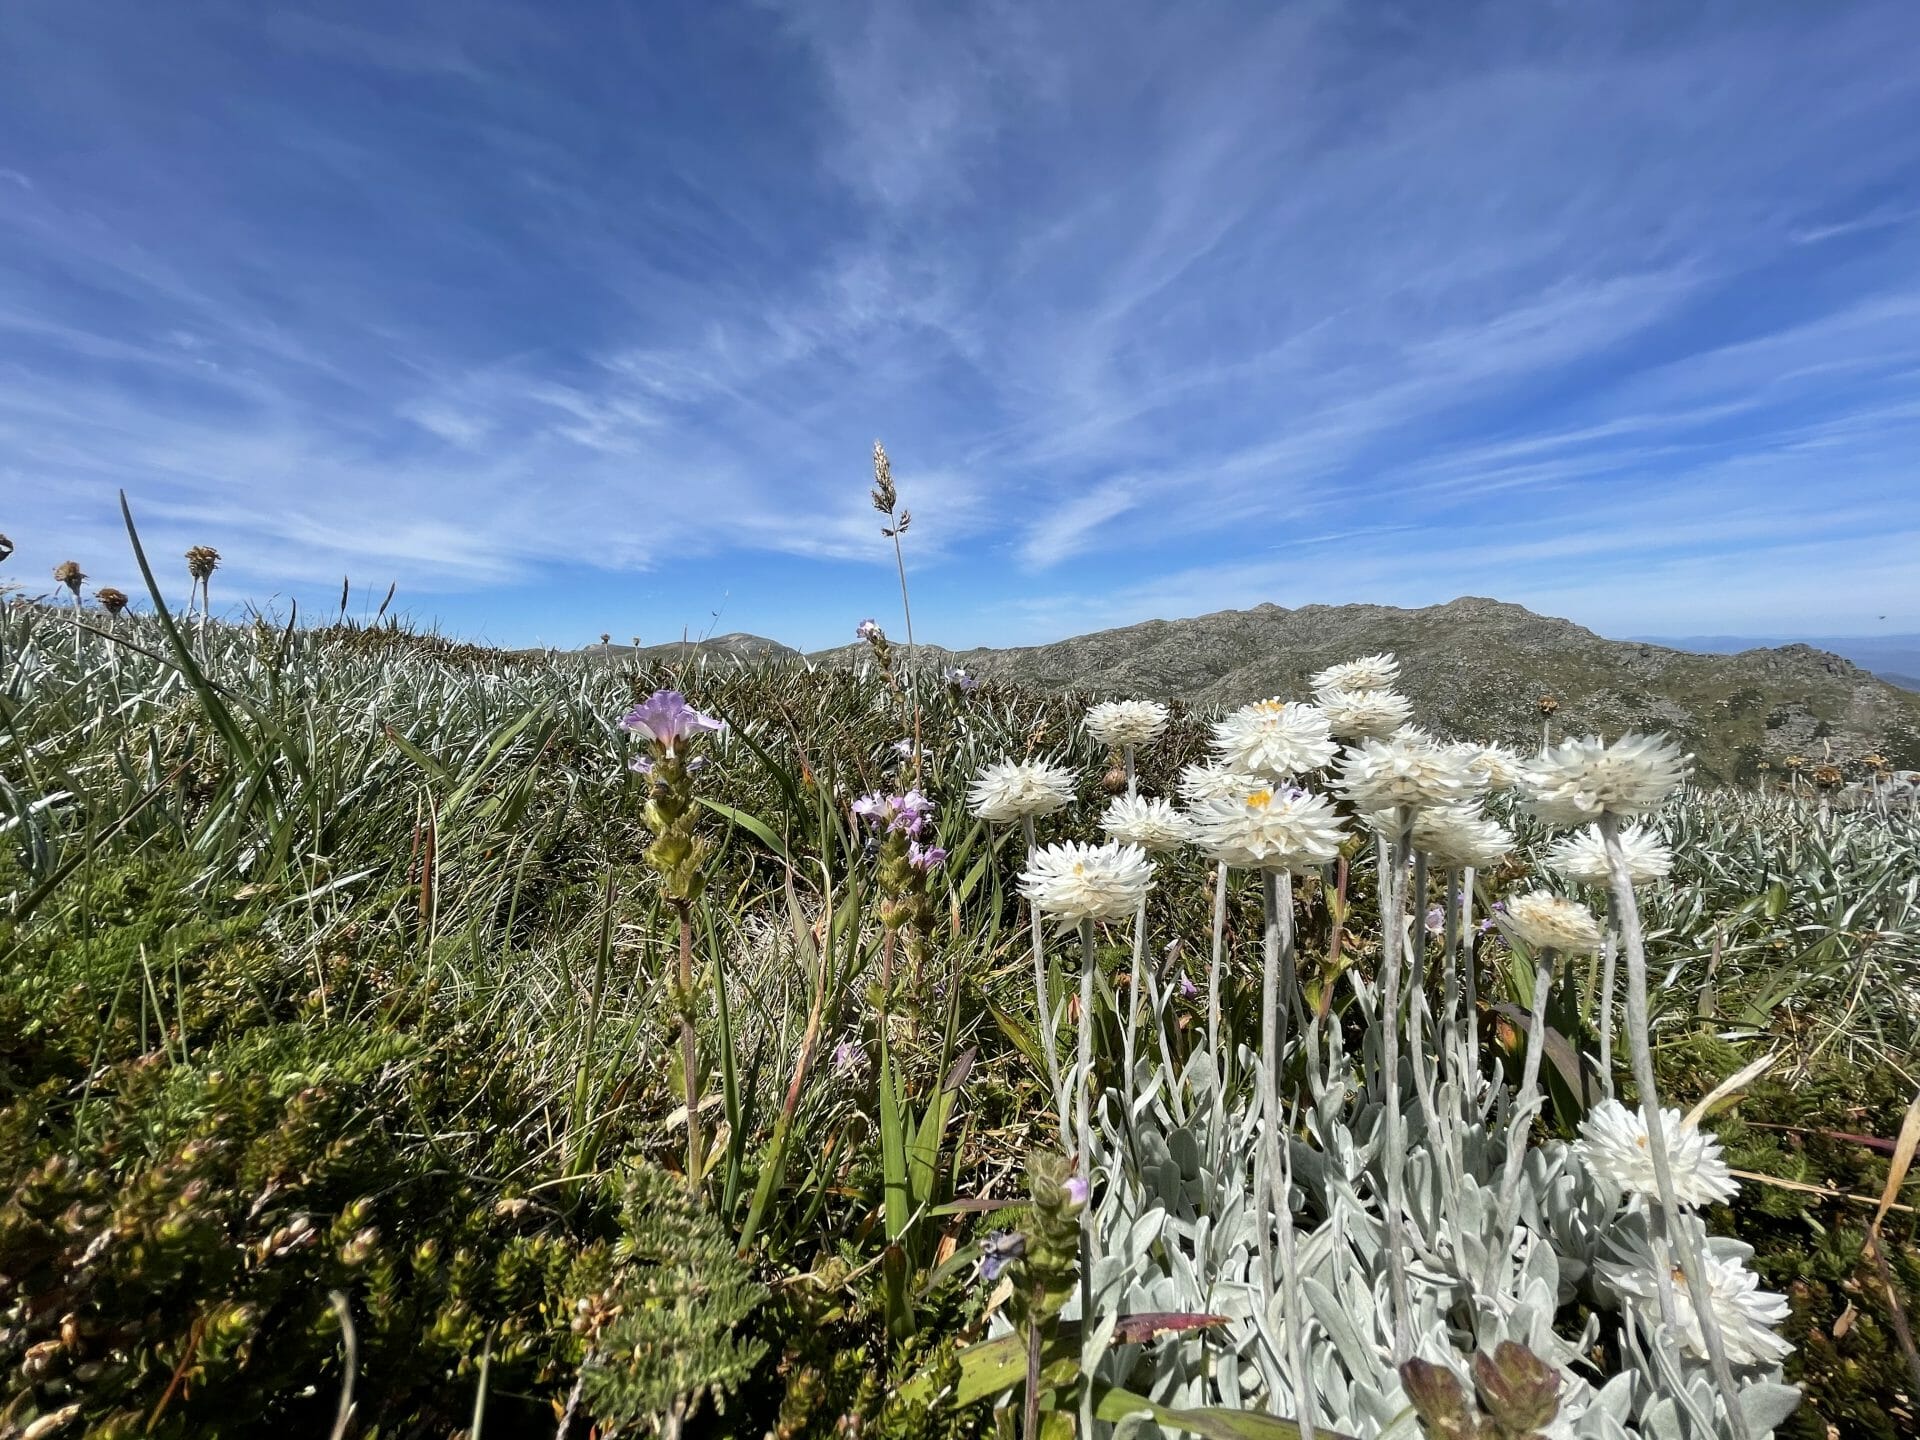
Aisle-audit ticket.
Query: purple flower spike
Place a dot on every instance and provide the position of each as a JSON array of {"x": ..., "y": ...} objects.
[
  {"x": 868, "y": 630},
  {"x": 665, "y": 718},
  {"x": 925, "y": 857}
]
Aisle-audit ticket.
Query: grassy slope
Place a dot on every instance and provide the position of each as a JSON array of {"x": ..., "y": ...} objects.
[{"x": 234, "y": 1041}]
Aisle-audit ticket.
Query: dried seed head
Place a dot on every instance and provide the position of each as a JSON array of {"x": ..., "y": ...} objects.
[
  {"x": 1548, "y": 704},
  {"x": 111, "y": 600},
  {"x": 202, "y": 561},
  {"x": 1115, "y": 780},
  {"x": 1829, "y": 777},
  {"x": 69, "y": 574},
  {"x": 605, "y": 638},
  {"x": 885, "y": 497},
  {"x": 6, "y": 547}
]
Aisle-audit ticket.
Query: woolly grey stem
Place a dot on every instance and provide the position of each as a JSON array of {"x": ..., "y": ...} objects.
[
  {"x": 1639, "y": 1041},
  {"x": 1049, "y": 1041},
  {"x": 1269, "y": 1162},
  {"x": 1520, "y": 1120},
  {"x": 1083, "y": 1165},
  {"x": 1134, "y": 982},
  {"x": 1214, "y": 966},
  {"x": 1127, "y": 750},
  {"x": 1417, "y": 1002},
  {"x": 1609, "y": 953},
  {"x": 1468, "y": 979},
  {"x": 1393, "y": 887},
  {"x": 1291, "y": 1308}
]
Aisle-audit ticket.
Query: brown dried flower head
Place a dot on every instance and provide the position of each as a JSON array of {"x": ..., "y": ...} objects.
[
  {"x": 6, "y": 547},
  {"x": 1115, "y": 780},
  {"x": 885, "y": 497},
  {"x": 69, "y": 574},
  {"x": 1829, "y": 777},
  {"x": 202, "y": 561},
  {"x": 1876, "y": 761},
  {"x": 1548, "y": 704},
  {"x": 111, "y": 600}
]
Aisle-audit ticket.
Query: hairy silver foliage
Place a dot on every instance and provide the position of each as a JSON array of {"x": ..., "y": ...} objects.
[{"x": 1183, "y": 1206}]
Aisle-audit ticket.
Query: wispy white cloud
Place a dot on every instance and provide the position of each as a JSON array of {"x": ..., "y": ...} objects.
[{"x": 458, "y": 296}]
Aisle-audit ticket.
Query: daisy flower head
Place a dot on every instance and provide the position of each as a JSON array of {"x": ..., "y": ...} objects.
[
  {"x": 1154, "y": 825},
  {"x": 1500, "y": 765},
  {"x": 1274, "y": 739},
  {"x": 1582, "y": 856},
  {"x": 1407, "y": 768},
  {"x": 1014, "y": 789},
  {"x": 1461, "y": 836},
  {"x": 1087, "y": 882},
  {"x": 1581, "y": 780},
  {"x": 1371, "y": 672},
  {"x": 1285, "y": 829},
  {"x": 1543, "y": 921},
  {"x": 1120, "y": 723},
  {"x": 1363, "y": 714},
  {"x": 1216, "y": 782},
  {"x": 1746, "y": 1314},
  {"x": 1613, "y": 1147}
]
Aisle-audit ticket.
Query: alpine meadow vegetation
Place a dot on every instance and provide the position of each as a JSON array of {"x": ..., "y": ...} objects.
[{"x": 401, "y": 1038}]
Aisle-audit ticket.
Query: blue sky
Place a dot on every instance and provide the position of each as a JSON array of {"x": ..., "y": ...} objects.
[{"x": 574, "y": 317}]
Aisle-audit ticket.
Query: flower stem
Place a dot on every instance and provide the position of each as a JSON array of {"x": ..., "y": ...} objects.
[
  {"x": 689, "y": 1048},
  {"x": 1639, "y": 1040},
  {"x": 1083, "y": 1091},
  {"x": 1393, "y": 895},
  {"x": 1043, "y": 998},
  {"x": 1520, "y": 1120}
]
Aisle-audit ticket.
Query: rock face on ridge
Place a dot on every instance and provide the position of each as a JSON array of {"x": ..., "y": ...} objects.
[{"x": 1479, "y": 667}]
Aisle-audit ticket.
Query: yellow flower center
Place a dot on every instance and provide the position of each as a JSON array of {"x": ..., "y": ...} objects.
[{"x": 1260, "y": 799}]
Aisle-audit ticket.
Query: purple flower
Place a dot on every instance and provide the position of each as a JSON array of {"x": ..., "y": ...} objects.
[
  {"x": 957, "y": 677},
  {"x": 925, "y": 857},
  {"x": 901, "y": 814},
  {"x": 665, "y": 718},
  {"x": 641, "y": 764},
  {"x": 1077, "y": 1191},
  {"x": 999, "y": 1250},
  {"x": 849, "y": 1059},
  {"x": 869, "y": 631},
  {"x": 1436, "y": 919},
  {"x": 910, "y": 812},
  {"x": 1187, "y": 988},
  {"x": 903, "y": 748}
]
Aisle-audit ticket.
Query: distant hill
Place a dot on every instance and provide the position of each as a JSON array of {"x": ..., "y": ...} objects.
[
  {"x": 737, "y": 646},
  {"x": 1894, "y": 658},
  {"x": 1478, "y": 667}
]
